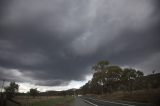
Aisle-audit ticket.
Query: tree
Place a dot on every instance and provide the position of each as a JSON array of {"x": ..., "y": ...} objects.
[
  {"x": 128, "y": 77},
  {"x": 100, "y": 68},
  {"x": 139, "y": 81},
  {"x": 33, "y": 92},
  {"x": 85, "y": 89},
  {"x": 11, "y": 90},
  {"x": 113, "y": 76},
  {"x": 139, "y": 74},
  {"x": 98, "y": 80}
]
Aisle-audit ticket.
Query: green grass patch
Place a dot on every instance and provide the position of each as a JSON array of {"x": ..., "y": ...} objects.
[{"x": 61, "y": 101}]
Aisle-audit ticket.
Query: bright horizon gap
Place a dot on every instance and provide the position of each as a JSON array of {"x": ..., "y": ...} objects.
[{"x": 24, "y": 87}]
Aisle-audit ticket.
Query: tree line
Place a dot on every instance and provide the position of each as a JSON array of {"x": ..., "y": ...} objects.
[
  {"x": 11, "y": 91},
  {"x": 109, "y": 78}
]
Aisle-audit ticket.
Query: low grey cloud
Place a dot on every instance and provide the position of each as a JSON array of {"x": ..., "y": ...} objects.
[{"x": 52, "y": 42}]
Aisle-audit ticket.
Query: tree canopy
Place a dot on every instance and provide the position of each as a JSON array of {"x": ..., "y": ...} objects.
[
  {"x": 109, "y": 78},
  {"x": 33, "y": 92},
  {"x": 11, "y": 90}
]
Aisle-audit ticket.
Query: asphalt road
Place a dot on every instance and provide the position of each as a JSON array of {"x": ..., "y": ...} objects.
[
  {"x": 80, "y": 102},
  {"x": 86, "y": 101}
]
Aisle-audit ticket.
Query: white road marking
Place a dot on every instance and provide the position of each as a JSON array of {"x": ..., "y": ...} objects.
[
  {"x": 113, "y": 102},
  {"x": 89, "y": 102},
  {"x": 131, "y": 102}
]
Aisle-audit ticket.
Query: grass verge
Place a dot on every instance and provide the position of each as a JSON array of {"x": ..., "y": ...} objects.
[
  {"x": 50, "y": 101},
  {"x": 61, "y": 101}
]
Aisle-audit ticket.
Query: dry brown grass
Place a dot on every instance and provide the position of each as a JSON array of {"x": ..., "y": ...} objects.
[{"x": 146, "y": 96}]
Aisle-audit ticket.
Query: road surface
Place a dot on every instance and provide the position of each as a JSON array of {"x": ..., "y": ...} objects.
[
  {"x": 85, "y": 101},
  {"x": 80, "y": 102}
]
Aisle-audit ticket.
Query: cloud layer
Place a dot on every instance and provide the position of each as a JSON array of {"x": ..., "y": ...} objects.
[{"x": 52, "y": 42}]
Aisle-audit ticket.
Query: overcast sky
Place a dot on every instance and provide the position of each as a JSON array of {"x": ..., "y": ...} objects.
[{"x": 52, "y": 44}]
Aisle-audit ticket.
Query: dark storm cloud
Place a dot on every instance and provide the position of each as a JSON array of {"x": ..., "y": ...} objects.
[{"x": 55, "y": 41}]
